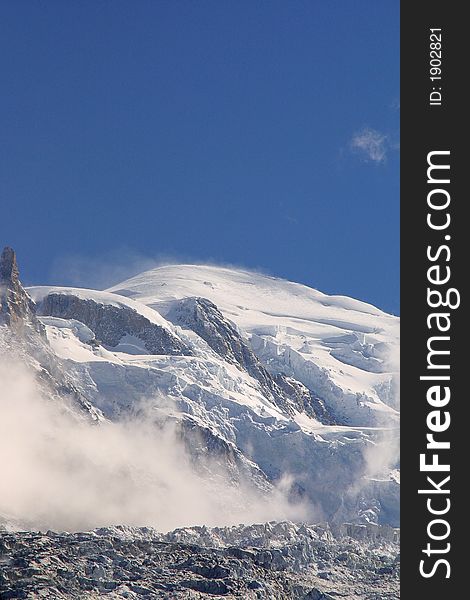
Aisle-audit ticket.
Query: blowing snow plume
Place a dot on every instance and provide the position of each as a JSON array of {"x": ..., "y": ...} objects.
[{"x": 64, "y": 474}]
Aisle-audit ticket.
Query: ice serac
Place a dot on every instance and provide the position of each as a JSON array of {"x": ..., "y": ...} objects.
[{"x": 17, "y": 309}]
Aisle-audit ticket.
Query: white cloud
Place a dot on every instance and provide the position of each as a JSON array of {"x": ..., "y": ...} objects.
[
  {"x": 371, "y": 144},
  {"x": 65, "y": 474}
]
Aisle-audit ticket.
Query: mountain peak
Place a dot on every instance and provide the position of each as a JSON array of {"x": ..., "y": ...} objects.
[
  {"x": 8, "y": 266},
  {"x": 16, "y": 307}
]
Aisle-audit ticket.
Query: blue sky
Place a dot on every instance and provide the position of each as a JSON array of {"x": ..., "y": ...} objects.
[{"x": 263, "y": 134}]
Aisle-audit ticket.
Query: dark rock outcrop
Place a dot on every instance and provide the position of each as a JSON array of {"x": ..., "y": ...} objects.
[
  {"x": 110, "y": 323},
  {"x": 304, "y": 399},
  {"x": 200, "y": 442},
  {"x": 204, "y": 318},
  {"x": 17, "y": 309}
]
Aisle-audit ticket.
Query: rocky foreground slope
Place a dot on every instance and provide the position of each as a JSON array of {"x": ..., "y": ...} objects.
[{"x": 278, "y": 561}]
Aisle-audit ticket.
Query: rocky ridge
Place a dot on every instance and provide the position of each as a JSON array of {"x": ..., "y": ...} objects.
[
  {"x": 280, "y": 561},
  {"x": 111, "y": 323},
  {"x": 17, "y": 309}
]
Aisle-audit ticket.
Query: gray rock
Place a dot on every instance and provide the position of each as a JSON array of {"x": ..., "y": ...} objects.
[
  {"x": 204, "y": 318},
  {"x": 17, "y": 309},
  {"x": 110, "y": 323},
  {"x": 127, "y": 562}
]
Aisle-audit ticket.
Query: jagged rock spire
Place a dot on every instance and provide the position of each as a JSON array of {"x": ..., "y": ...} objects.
[
  {"x": 8, "y": 266},
  {"x": 16, "y": 307}
]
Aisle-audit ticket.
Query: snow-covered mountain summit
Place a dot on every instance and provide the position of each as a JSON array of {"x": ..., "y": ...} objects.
[
  {"x": 342, "y": 349},
  {"x": 286, "y": 389}
]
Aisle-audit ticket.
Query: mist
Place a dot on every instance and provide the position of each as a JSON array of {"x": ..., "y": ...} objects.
[
  {"x": 100, "y": 272},
  {"x": 63, "y": 473}
]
